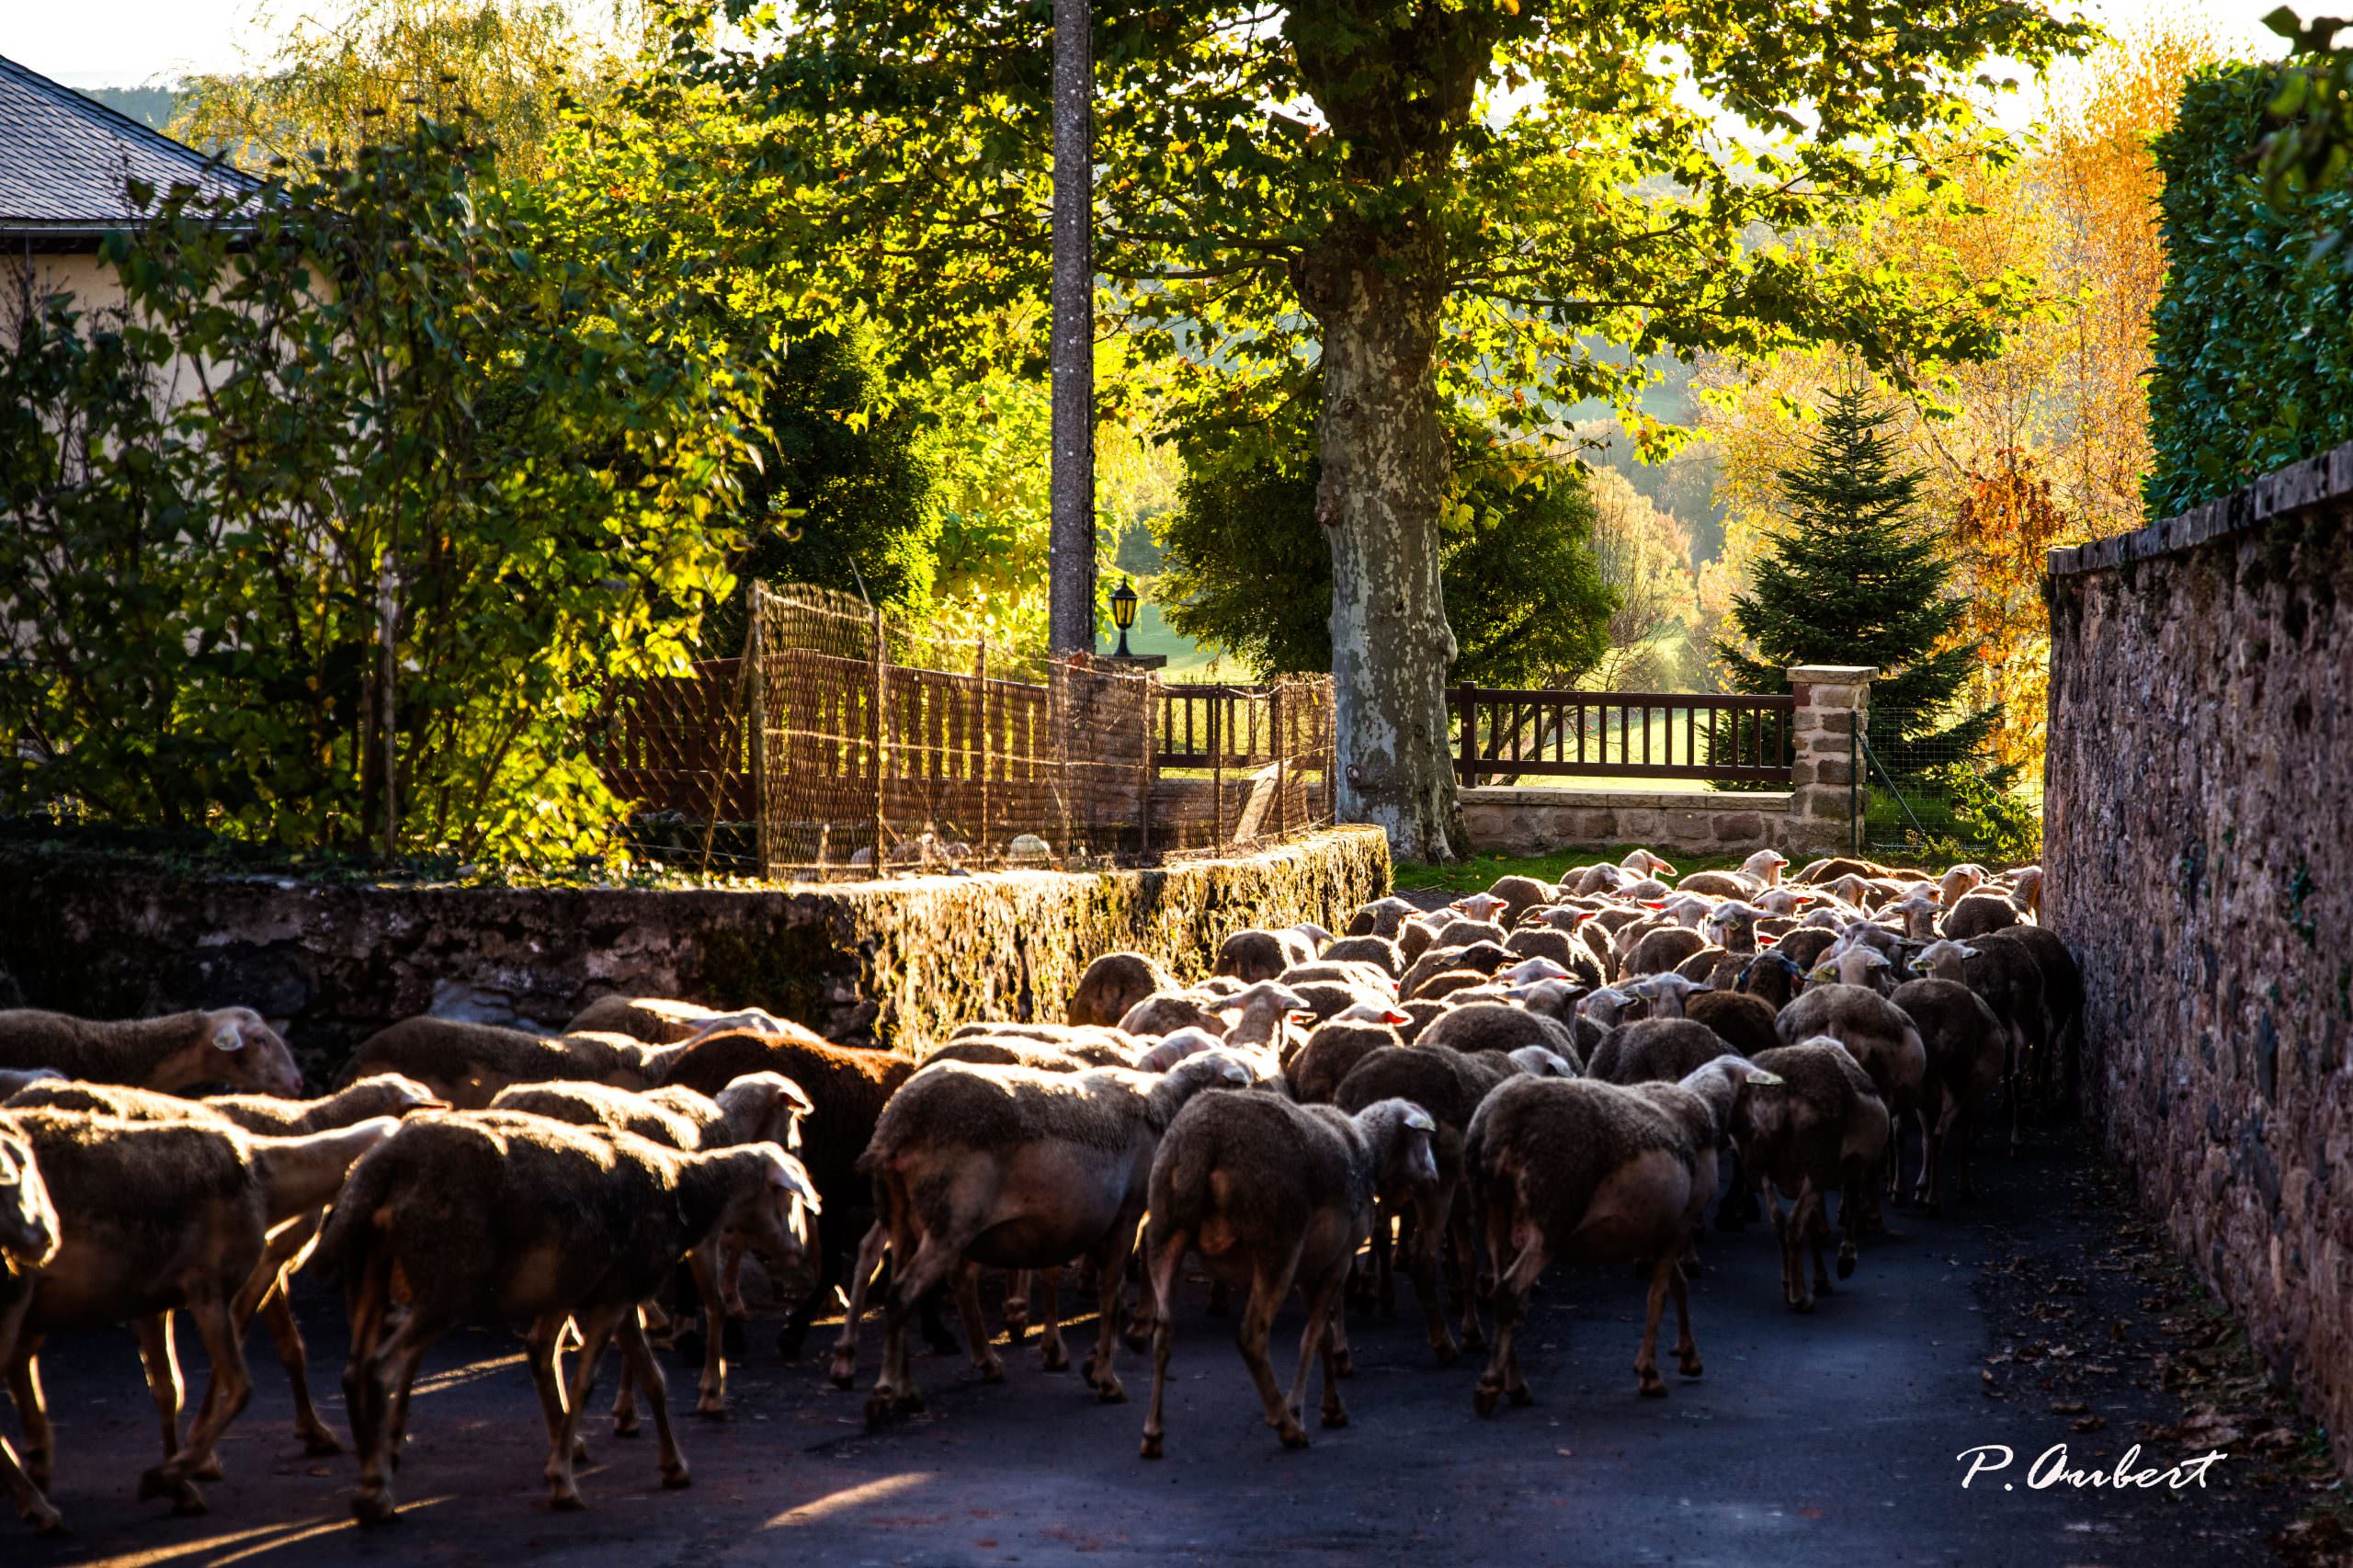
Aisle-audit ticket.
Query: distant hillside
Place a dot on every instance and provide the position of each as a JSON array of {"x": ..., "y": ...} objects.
[{"x": 153, "y": 105}]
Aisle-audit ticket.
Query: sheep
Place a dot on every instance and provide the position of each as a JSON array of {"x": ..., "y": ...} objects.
[
  {"x": 264, "y": 1293},
  {"x": 1363, "y": 976},
  {"x": 173, "y": 1053},
  {"x": 1326, "y": 999},
  {"x": 467, "y": 1064},
  {"x": 1415, "y": 935},
  {"x": 1821, "y": 1132},
  {"x": 1544, "y": 941},
  {"x": 1593, "y": 1172},
  {"x": 1382, "y": 918},
  {"x": 1965, "y": 1043},
  {"x": 2025, "y": 891},
  {"x": 1666, "y": 993},
  {"x": 1253, "y": 955},
  {"x": 1877, "y": 1033},
  {"x": 1759, "y": 871},
  {"x": 1112, "y": 984},
  {"x": 1742, "y": 1021},
  {"x": 1378, "y": 951},
  {"x": 1710, "y": 967},
  {"x": 2060, "y": 1016},
  {"x": 1164, "y": 1012},
  {"x": 1979, "y": 914},
  {"x": 659, "y": 1020},
  {"x": 1773, "y": 977},
  {"x": 1332, "y": 1052},
  {"x": 1958, "y": 881},
  {"x": 29, "y": 1242},
  {"x": 846, "y": 1088},
  {"x": 1014, "y": 1051},
  {"x": 1498, "y": 1027},
  {"x": 1654, "y": 1050},
  {"x": 1858, "y": 966},
  {"x": 1271, "y": 1194},
  {"x": 1659, "y": 950},
  {"x": 2008, "y": 973},
  {"x": 1419, "y": 1015},
  {"x": 1804, "y": 948},
  {"x": 1264, "y": 1007},
  {"x": 760, "y": 1108},
  {"x": 1016, "y": 1169},
  {"x": 1174, "y": 1047},
  {"x": 1065, "y": 1037},
  {"x": 156, "y": 1217},
  {"x": 1517, "y": 896},
  {"x": 506, "y": 1216},
  {"x": 1555, "y": 999},
  {"x": 1316, "y": 934},
  {"x": 1597, "y": 1014},
  {"x": 1448, "y": 1085},
  {"x": 1483, "y": 959}
]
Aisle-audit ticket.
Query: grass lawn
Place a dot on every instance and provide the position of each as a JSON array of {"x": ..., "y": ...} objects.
[{"x": 1480, "y": 874}]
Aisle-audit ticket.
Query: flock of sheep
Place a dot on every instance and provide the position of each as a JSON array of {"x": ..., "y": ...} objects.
[{"x": 1536, "y": 1073}]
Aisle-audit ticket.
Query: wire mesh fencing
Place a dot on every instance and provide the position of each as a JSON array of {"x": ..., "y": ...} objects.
[
  {"x": 1934, "y": 790},
  {"x": 850, "y": 742}
]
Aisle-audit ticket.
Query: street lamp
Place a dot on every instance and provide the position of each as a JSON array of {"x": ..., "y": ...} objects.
[{"x": 1124, "y": 601}]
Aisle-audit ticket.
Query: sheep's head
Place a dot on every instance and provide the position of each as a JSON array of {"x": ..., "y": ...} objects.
[
  {"x": 1219, "y": 1067},
  {"x": 236, "y": 1047},
  {"x": 1168, "y": 1012},
  {"x": 1174, "y": 1047},
  {"x": 767, "y": 1213},
  {"x": 1958, "y": 879},
  {"x": 29, "y": 1234},
  {"x": 766, "y": 1107},
  {"x": 1606, "y": 1006},
  {"x": 386, "y": 1094},
  {"x": 1399, "y": 1132},
  {"x": 1370, "y": 1013},
  {"x": 1665, "y": 993},
  {"x": 1641, "y": 862},
  {"x": 1529, "y": 972},
  {"x": 1944, "y": 958},
  {"x": 1478, "y": 905},
  {"x": 1766, "y": 866},
  {"x": 753, "y": 1020},
  {"x": 1538, "y": 1062}
]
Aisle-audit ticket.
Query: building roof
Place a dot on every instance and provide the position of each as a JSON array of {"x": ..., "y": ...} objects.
[{"x": 65, "y": 159}]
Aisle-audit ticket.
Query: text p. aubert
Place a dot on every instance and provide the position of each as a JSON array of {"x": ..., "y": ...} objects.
[{"x": 2050, "y": 1469}]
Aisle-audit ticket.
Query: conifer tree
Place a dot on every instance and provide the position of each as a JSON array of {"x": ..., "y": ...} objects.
[{"x": 1857, "y": 579}]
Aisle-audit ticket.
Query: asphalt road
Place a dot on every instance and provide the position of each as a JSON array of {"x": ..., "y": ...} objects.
[{"x": 1824, "y": 1438}]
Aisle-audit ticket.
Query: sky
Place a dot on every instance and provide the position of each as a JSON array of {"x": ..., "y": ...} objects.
[{"x": 125, "y": 43}]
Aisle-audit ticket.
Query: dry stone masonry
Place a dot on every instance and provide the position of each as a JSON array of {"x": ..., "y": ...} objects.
[{"x": 2198, "y": 833}]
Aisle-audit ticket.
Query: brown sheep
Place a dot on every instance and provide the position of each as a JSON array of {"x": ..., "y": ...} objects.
[
  {"x": 1498, "y": 1027},
  {"x": 176, "y": 1053},
  {"x": 1166, "y": 1012},
  {"x": 1743, "y": 1022},
  {"x": 1979, "y": 914},
  {"x": 659, "y": 1020},
  {"x": 1655, "y": 1051},
  {"x": 1591, "y": 1173},
  {"x": 1820, "y": 1135},
  {"x": 467, "y": 1064},
  {"x": 1483, "y": 958},
  {"x": 29, "y": 1240},
  {"x": 156, "y": 1217},
  {"x": 1965, "y": 1043},
  {"x": 993, "y": 1050},
  {"x": 1332, "y": 1052},
  {"x": 1016, "y": 1169},
  {"x": 500, "y": 1216},
  {"x": 1253, "y": 955},
  {"x": 1378, "y": 951},
  {"x": 1519, "y": 894},
  {"x": 846, "y": 1088},
  {"x": 1272, "y": 1194},
  {"x": 1657, "y": 953},
  {"x": 2007, "y": 973},
  {"x": 2063, "y": 1000},
  {"x": 1878, "y": 1034},
  {"x": 1563, "y": 949},
  {"x": 1805, "y": 947},
  {"x": 1381, "y": 918},
  {"x": 1113, "y": 983}
]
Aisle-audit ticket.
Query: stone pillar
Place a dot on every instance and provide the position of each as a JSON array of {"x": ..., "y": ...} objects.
[{"x": 1824, "y": 794}]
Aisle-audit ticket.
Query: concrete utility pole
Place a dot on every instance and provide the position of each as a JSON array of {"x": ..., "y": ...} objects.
[{"x": 1070, "y": 623}]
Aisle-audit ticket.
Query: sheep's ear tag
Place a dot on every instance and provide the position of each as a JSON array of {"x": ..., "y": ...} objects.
[
  {"x": 1419, "y": 1120},
  {"x": 1298, "y": 1017},
  {"x": 1770, "y": 1080},
  {"x": 227, "y": 1037},
  {"x": 1397, "y": 1017}
]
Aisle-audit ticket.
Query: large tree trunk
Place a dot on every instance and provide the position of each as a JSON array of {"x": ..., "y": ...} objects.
[
  {"x": 1070, "y": 613},
  {"x": 1385, "y": 459}
]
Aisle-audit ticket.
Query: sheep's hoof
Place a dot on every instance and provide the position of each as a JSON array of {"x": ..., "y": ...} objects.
[
  {"x": 1802, "y": 1303},
  {"x": 1293, "y": 1436},
  {"x": 1846, "y": 1263},
  {"x": 1056, "y": 1359},
  {"x": 1653, "y": 1385},
  {"x": 1474, "y": 1338},
  {"x": 1108, "y": 1391},
  {"x": 1137, "y": 1339},
  {"x": 1518, "y": 1394},
  {"x": 319, "y": 1443},
  {"x": 372, "y": 1509},
  {"x": 1445, "y": 1351},
  {"x": 47, "y": 1522},
  {"x": 1335, "y": 1417},
  {"x": 580, "y": 1451},
  {"x": 1344, "y": 1364},
  {"x": 677, "y": 1478},
  {"x": 209, "y": 1470},
  {"x": 844, "y": 1372},
  {"x": 1688, "y": 1365},
  {"x": 1484, "y": 1401},
  {"x": 993, "y": 1372},
  {"x": 711, "y": 1407},
  {"x": 1151, "y": 1448},
  {"x": 625, "y": 1427},
  {"x": 566, "y": 1501}
]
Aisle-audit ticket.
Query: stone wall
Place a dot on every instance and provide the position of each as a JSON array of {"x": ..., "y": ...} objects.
[
  {"x": 1815, "y": 813},
  {"x": 2198, "y": 833},
  {"x": 896, "y": 963}
]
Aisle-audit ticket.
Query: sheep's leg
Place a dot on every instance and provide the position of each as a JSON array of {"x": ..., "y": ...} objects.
[
  {"x": 1110, "y": 1263},
  {"x": 32, "y": 1407},
  {"x": 1846, "y": 1231},
  {"x": 159, "y": 1351},
  {"x": 1160, "y": 1282},
  {"x": 927, "y": 1266},
  {"x": 731, "y": 1281},
  {"x": 1512, "y": 1286},
  {"x": 638, "y": 1353},
  {"x": 286, "y": 1336},
  {"x": 228, "y": 1387},
  {"x": 1019, "y": 1283},
  {"x": 1739, "y": 1205},
  {"x": 863, "y": 1273},
  {"x": 1789, "y": 1226},
  {"x": 1421, "y": 1262},
  {"x": 986, "y": 1360},
  {"x": 1055, "y": 1354},
  {"x": 543, "y": 1353},
  {"x": 16, "y": 1349},
  {"x": 1669, "y": 1265},
  {"x": 380, "y": 1364},
  {"x": 1466, "y": 1263},
  {"x": 1687, "y": 1349},
  {"x": 595, "y": 1328},
  {"x": 1333, "y": 1311},
  {"x": 44, "y": 1518},
  {"x": 711, "y": 1394},
  {"x": 625, "y": 1397},
  {"x": 1250, "y": 1334}
]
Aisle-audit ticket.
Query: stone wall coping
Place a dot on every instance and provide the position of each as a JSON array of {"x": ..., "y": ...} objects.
[
  {"x": 1626, "y": 799},
  {"x": 2324, "y": 480},
  {"x": 1833, "y": 675}
]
